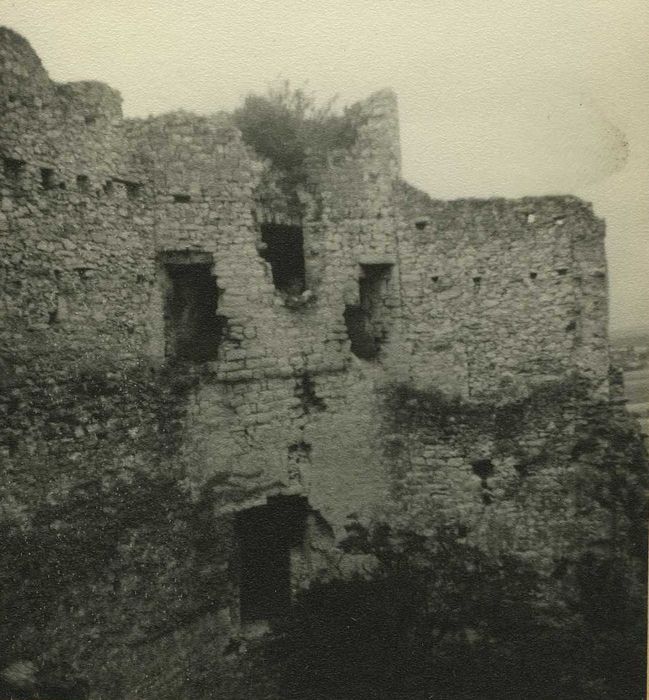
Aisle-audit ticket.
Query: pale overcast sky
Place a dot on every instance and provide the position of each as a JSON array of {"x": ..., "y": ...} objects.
[{"x": 496, "y": 98}]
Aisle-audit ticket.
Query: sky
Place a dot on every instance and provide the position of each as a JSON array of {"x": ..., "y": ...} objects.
[{"x": 496, "y": 97}]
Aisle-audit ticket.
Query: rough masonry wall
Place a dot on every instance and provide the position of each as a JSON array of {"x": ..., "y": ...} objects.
[
  {"x": 129, "y": 466},
  {"x": 500, "y": 294}
]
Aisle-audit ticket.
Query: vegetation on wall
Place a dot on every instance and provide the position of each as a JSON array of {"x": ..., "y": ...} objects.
[
  {"x": 286, "y": 126},
  {"x": 440, "y": 619}
]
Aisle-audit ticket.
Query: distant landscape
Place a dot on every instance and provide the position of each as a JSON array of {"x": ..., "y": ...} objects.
[{"x": 630, "y": 353}]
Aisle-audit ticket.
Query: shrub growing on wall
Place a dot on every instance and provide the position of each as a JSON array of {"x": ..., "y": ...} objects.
[
  {"x": 285, "y": 124},
  {"x": 440, "y": 619}
]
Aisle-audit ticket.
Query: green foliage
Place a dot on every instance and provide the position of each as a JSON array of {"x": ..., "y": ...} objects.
[
  {"x": 440, "y": 619},
  {"x": 286, "y": 124}
]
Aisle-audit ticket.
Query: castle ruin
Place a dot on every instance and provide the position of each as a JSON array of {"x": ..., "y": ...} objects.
[{"x": 203, "y": 383}]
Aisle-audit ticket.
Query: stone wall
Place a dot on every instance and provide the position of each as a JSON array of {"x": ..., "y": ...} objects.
[
  {"x": 500, "y": 294},
  {"x": 129, "y": 464}
]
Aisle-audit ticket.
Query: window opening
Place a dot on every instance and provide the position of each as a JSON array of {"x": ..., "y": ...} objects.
[
  {"x": 47, "y": 178},
  {"x": 366, "y": 322},
  {"x": 266, "y": 536},
  {"x": 285, "y": 252},
  {"x": 83, "y": 183},
  {"x": 182, "y": 198},
  {"x": 193, "y": 329}
]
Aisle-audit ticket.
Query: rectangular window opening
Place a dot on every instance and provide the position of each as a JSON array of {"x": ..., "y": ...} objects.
[
  {"x": 47, "y": 178},
  {"x": 266, "y": 535},
  {"x": 83, "y": 183},
  {"x": 285, "y": 252},
  {"x": 193, "y": 329},
  {"x": 182, "y": 198},
  {"x": 366, "y": 321}
]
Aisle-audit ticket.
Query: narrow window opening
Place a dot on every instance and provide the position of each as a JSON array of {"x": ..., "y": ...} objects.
[
  {"x": 108, "y": 188},
  {"x": 133, "y": 190},
  {"x": 562, "y": 271},
  {"x": 285, "y": 252},
  {"x": 83, "y": 183},
  {"x": 266, "y": 536},
  {"x": 13, "y": 168},
  {"x": 53, "y": 317},
  {"x": 182, "y": 198},
  {"x": 47, "y": 178},
  {"x": 484, "y": 468},
  {"x": 421, "y": 224},
  {"x": 477, "y": 281},
  {"x": 299, "y": 457},
  {"x": 193, "y": 330},
  {"x": 366, "y": 321}
]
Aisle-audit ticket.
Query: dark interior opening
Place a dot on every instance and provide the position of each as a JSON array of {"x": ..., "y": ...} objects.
[
  {"x": 193, "y": 328},
  {"x": 47, "y": 178},
  {"x": 366, "y": 322},
  {"x": 266, "y": 535},
  {"x": 182, "y": 198},
  {"x": 83, "y": 183},
  {"x": 285, "y": 253},
  {"x": 13, "y": 167}
]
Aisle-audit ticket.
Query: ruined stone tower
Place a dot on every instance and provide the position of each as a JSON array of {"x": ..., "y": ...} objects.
[{"x": 195, "y": 378}]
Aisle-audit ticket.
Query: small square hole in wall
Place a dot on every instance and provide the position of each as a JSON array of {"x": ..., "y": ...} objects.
[
  {"x": 477, "y": 282},
  {"x": 90, "y": 119},
  {"x": 133, "y": 189},
  {"x": 83, "y": 183},
  {"x": 562, "y": 271},
  {"x": 182, "y": 198},
  {"x": 533, "y": 275},
  {"x": 47, "y": 179},
  {"x": 13, "y": 168}
]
